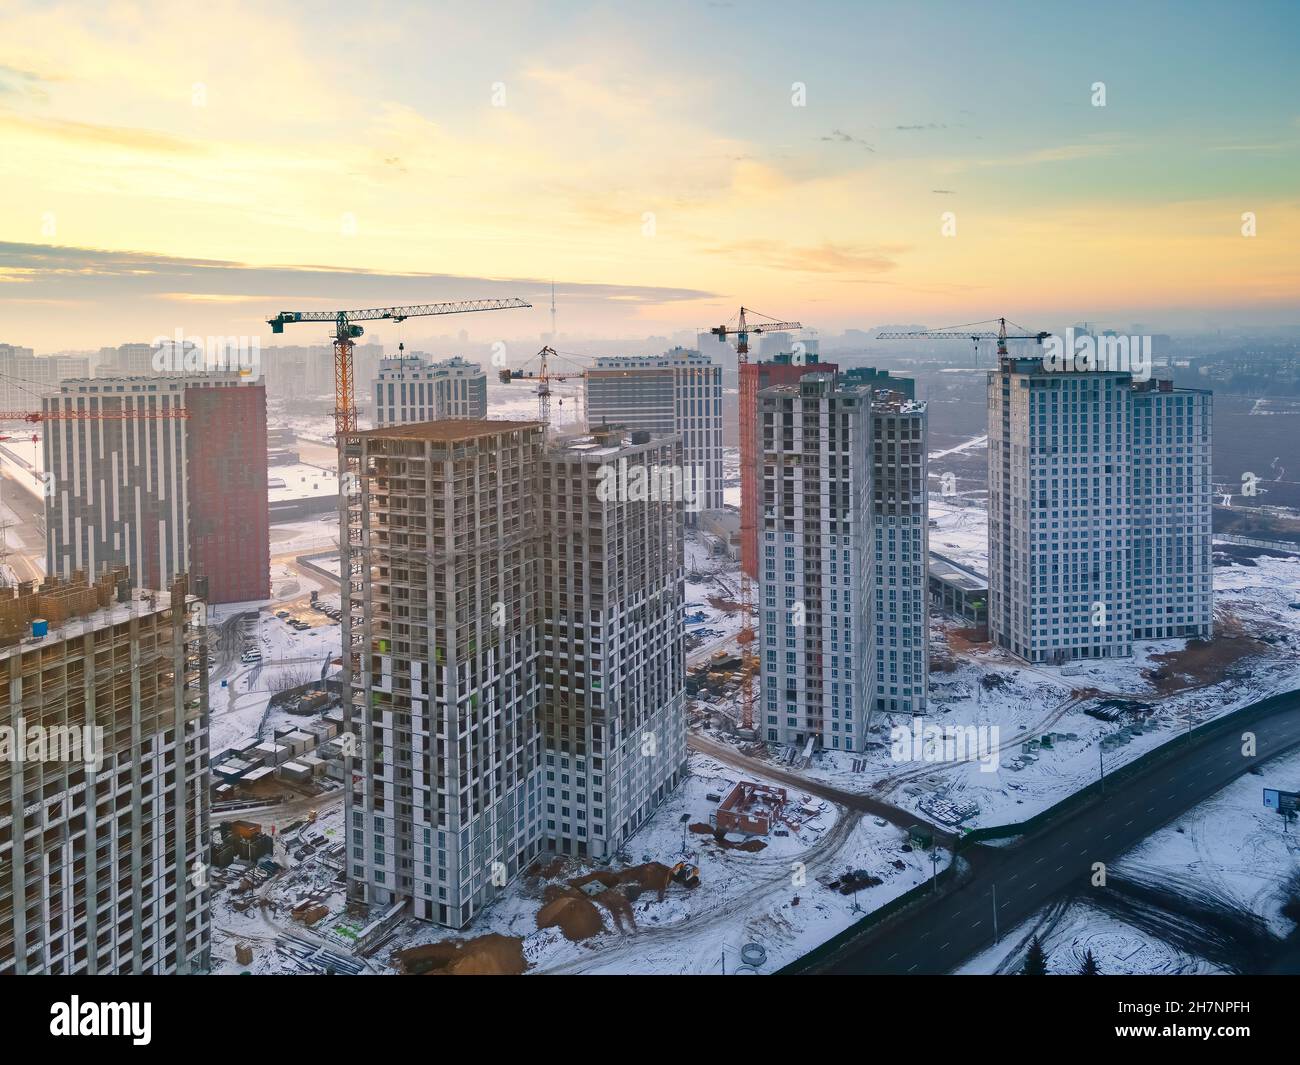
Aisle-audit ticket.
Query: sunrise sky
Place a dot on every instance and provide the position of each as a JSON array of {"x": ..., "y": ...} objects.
[{"x": 203, "y": 166}]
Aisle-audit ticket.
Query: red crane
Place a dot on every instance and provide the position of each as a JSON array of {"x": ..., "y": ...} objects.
[
  {"x": 34, "y": 417},
  {"x": 129, "y": 414}
]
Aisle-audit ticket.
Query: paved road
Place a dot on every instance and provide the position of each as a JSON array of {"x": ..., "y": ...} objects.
[{"x": 938, "y": 937}]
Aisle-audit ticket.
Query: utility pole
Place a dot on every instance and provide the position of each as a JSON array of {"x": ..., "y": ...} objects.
[
  {"x": 1101, "y": 768},
  {"x": 934, "y": 869}
]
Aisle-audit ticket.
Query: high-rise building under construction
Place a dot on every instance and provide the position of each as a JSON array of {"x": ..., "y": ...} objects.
[
  {"x": 513, "y": 655},
  {"x": 104, "y": 813},
  {"x": 783, "y": 369}
]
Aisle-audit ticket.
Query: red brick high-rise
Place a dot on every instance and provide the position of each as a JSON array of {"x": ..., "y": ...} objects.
[
  {"x": 229, "y": 526},
  {"x": 754, "y": 377}
]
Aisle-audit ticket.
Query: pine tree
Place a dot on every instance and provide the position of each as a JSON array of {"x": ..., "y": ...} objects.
[
  {"x": 1035, "y": 960},
  {"x": 1089, "y": 966}
]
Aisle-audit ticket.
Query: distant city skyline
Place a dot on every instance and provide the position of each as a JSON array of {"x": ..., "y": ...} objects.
[{"x": 205, "y": 168}]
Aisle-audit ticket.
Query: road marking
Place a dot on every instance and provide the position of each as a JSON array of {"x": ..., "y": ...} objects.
[
  {"x": 1105, "y": 837},
  {"x": 1059, "y": 868},
  {"x": 892, "y": 956},
  {"x": 945, "y": 946},
  {"x": 913, "y": 967},
  {"x": 1127, "y": 823}
]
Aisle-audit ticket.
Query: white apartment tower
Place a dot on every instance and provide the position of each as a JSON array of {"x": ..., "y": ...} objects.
[
  {"x": 818, "y": 665},
  {"x": 1099, "y": 511},
  {"x": 679, "y": 392},
  {"x": 410, "y": 388},
  {"x": 501, "y": 597},
  {"x": 900, "y": 527},
  {"x": 613, "y": 717},
  {"x": 1172, "y": 554},
  {"x": 116, "y": 488},
  {"x": 104, "y": 819}
]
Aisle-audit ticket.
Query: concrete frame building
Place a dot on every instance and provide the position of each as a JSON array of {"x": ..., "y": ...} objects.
[
  {"x": 1099, "y": 512},
  {"x": 410, "y": 388},
  {"x": 676, "y": 393},
  {"x": 442, "y": 654},
  {"x": 900, "y": 526},
  {"x": 517, "y": 682},
  {"x": 613, "y": 712},
  {"x": 97, "y": 854},
  {"x": 818, "y": 671},
  {"x": 783, "y": 369}
]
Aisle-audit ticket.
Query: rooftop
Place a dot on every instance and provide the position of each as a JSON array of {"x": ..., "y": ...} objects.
[
  {"x": 447, "y": 430},
  {"x": 952, "y": 572}
]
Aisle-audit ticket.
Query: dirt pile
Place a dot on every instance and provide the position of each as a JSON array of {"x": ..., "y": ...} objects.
[
  {"x": 487, "y": 955},
  {"x": 572, "y": 912},
  {"x": 1201, "y": 662},
  {"x": 751, "y": 846}
]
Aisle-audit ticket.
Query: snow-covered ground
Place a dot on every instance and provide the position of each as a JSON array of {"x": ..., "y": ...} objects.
[
  {"x": 306, "y": 536},
  {"x": 960, "y": 532},
  {"x": 1228, "y": 855},
  {"x": 23, "y": 460},
  {"x": 238, "y": 699},
  {"x": 742, "y": 898},
  {"x": 772, "y": 896}
]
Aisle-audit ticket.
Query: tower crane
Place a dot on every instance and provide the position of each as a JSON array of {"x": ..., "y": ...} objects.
[
  {"x": 744, "y": 327},
  {"x": 34, "y": 417},
  {"x": 543, "y": 377},
  {"x": 971, "y": 333},
  {"x": 129, "y": 414},
  {"x": 345, "y": 332}
]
